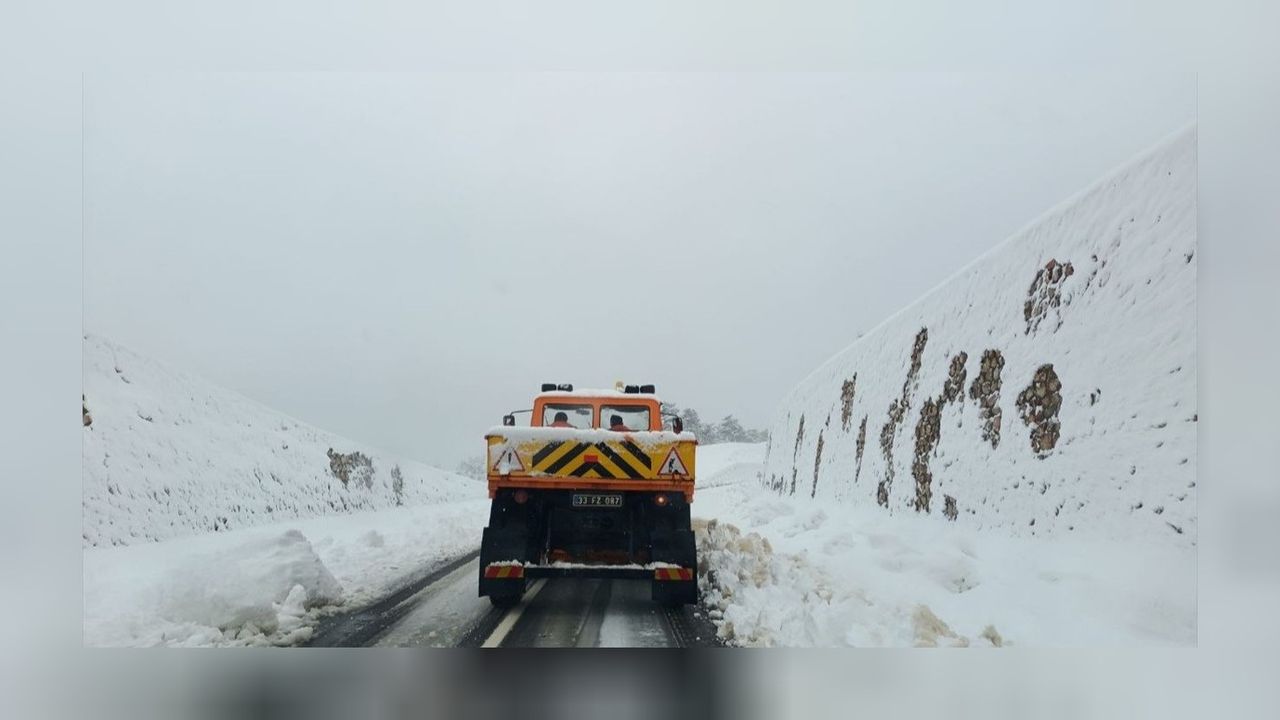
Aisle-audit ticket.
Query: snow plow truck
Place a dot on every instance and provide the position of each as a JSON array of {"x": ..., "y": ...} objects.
[{"x": 594, "y": 485}]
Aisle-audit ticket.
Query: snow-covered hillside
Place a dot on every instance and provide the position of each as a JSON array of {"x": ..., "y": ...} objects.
[
  {"x": 168, "y": 454},
  {"x": 728, "y": 463},
  {"x": 1047, "y": 389}
]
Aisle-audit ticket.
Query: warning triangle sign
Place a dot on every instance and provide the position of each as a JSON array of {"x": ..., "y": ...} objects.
[
  {"x": 672, "y": 464},
  {"x": 508, "y": 461}
]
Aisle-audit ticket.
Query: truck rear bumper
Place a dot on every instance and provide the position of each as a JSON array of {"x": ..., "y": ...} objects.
[
  {"x": 662, "y": 573},
  {"x": 543, "y": 535},
  {"x": 501, "y": 482}
]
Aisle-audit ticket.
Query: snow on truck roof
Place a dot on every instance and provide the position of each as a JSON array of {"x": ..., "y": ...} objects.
[
  {"x": 594, "y": 393},
  {"x": 525, "y": 433}
]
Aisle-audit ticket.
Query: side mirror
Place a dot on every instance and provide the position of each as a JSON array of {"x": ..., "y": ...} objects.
[
  {"x": 509, "y": 420},
  {"x": 677, "y": 424}
]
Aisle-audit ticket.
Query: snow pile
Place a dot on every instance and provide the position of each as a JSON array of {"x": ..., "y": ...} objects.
[
  {"x": 242, "y": 590},
  {"x": 252, "y": 580},
  {"x": 808, "y": 573},
  {"x": 1048, "y": 389},
  {"x": 168, "y": 455},
  {"x": 266, "y": 585}
]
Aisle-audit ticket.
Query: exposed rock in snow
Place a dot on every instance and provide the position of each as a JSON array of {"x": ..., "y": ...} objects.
[{"x": 1082, "y": 325}]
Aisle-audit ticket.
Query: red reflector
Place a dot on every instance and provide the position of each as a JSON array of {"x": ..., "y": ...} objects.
[
  {"x": 591, "y": 458},
  {"x": 673, "y": 574},
  {"x": 504, "y": 571},
  {"x": 520, "y": 496},
  {"x": 660, "y": 500}
]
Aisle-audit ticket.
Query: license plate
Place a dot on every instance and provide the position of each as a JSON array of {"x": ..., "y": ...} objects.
[{"x": 597, "y": 500}]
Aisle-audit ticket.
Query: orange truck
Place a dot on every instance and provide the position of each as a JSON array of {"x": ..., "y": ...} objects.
[{"x": 595, "y": 485}]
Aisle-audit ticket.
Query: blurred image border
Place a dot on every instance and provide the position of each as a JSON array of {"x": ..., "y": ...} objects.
[{"x": 47, "y": 672}]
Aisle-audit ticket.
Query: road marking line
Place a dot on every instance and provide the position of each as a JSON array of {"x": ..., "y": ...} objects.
[{"x": 512, "y": 617}]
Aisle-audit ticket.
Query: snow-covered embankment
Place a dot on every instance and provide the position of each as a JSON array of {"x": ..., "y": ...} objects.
[
  {"x": 168, "y": 454},
  {"x": 1013, "y": 453},
  {"x": 211, "y": 519}
]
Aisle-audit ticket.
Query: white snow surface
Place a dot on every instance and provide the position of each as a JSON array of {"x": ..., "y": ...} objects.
[
  {"x": 1121, "y": 340},
  {"x": 802, "y": 572},
  {"x": 169, "y": 455},
  {"x": 725, "y": 464},
  {"x": 774, "y": 571},
  {"x": 266, "y": 585}
]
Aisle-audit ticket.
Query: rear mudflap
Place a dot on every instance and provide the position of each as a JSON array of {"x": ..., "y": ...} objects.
[
  {"x": 502, "y": 557},
  {"x": 677, "y": 584}
]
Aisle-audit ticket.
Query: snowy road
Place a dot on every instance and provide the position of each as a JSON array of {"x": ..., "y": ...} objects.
[
  {"x": 586, "y": 612},
  {"x": 774, "y": 571},
  {"x": 442, "y": 610}
]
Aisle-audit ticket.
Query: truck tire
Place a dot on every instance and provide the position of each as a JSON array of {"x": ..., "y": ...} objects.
[{"x": 504, "y": 602}]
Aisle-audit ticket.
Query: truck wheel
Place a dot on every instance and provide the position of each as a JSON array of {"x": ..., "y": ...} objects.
[
  {"x": 674, "y": 593},
  {"x": 504, "y": 601}
]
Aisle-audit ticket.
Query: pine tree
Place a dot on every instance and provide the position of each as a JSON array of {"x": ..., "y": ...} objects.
[
  {"x": 397, "y": 485},
  {"x": 731, "y": 430},
  {"x": 473, "y": 467},
  {"x": 670, "y": 410},
  {"x": 693, "y": 423},
  {"x": 727, "y": 430}
]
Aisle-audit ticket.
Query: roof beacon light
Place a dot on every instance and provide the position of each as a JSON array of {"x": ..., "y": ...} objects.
[
  {"x": 565, "y": 387},
  {"x": 646, "y": 389},
  {"x": 632, "y": 389},
  {"x": 547, "y": 387},
  {"x": 618, "y": 386}
]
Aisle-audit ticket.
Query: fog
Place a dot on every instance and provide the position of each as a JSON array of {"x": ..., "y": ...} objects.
[{"x": 402, "y": 258}]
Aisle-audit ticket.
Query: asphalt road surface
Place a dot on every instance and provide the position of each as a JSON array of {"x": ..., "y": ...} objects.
[{"x": 441, "y": 609}]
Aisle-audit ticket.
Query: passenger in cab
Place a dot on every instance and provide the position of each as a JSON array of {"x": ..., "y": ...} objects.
[
  {"x": 561, "y": 420},
  {"x": 615, "y": 424}
]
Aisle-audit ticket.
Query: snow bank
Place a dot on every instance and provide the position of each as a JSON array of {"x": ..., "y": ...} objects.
[
  {"x": 168, "y": 455},
  {"x": 801, "y": 572},
  {"x": 266, "y": 585},
  {"x": 201, "y": 593},
  {"x": 249, "y": 581},
  {"x": 1048, "y": 389}
]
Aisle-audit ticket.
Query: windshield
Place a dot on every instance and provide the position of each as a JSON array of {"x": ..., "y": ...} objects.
[
  {"x": 632, "y": 417},
  {"x": 566, "y": 415}
]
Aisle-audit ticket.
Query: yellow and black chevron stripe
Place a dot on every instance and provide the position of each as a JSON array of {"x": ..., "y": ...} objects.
[{"x": 606, "y": 460}]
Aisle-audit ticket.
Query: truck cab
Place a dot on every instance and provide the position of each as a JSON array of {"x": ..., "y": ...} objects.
[
  {"x": 596, "y": 484},
  {"x": 587, "y": 409}
]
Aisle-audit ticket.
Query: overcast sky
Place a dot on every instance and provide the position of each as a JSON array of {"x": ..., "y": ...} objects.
[{"x": 403, "y": 258}]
